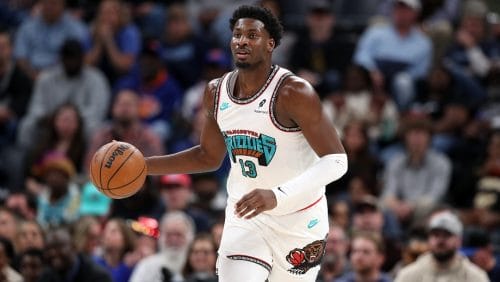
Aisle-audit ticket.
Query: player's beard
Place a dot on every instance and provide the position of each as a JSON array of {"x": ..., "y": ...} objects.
[{"x": 243, "y": 65}]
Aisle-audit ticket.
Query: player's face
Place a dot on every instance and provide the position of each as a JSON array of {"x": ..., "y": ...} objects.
[{"x": 251, "y": 43}]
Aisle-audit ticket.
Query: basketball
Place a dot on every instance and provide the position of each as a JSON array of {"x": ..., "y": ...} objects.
[{"x": 118, "y": 170}]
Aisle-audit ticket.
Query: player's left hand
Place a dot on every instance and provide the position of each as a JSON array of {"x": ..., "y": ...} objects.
[{"x": 255, "y": 202}]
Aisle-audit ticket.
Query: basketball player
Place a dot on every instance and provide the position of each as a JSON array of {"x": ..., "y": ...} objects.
[{"x": 283, "y": 152}]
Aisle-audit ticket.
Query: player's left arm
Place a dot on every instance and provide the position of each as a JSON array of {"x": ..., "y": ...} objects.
[{"x": 298, "y": 104}]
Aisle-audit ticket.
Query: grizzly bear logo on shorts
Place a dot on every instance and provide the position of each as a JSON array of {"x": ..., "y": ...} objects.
[{"x": 307, "y": 257}]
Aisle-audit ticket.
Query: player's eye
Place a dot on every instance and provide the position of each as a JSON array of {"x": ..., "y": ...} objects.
[
  {"x": 252, "y": 36},
  {"x": 237, "y": 35}
]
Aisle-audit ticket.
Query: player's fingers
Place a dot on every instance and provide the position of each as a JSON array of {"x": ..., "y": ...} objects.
[{"x": 254, "y": 213}]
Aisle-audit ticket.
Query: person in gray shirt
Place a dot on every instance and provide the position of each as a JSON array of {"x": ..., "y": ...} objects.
[
  {"x": 416, "y": 180},
  {"x": 69, "y": 82}
]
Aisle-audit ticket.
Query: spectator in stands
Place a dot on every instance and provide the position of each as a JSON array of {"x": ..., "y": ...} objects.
[
  {"x": 416, "y": 180},
  {"x": 60, "y": 132},
  {"x": 200, "y": 263},
  {"x": 40, "y": 38},
  {"x": 69, "y": 82},
  {"x": 7, "y": 253},
  {"x": 468, "y": 58},
  {"x": 63, "y": 261},
  {"x": 116, "y": 41},
  {"x": 160, "y": 94},
  {"x": 335, "y": 262},
  {"x": 415, "y": 245},
  {"x": 369, "y": 217},
  {"x": 443, "y": 262},
  {"x": 367, "y": 256},
  {"x": 125, "y": 125},
  {"x": 8, "y": 224},
  {"x": 208, "y": 194},
  {"x": 176, "y": 233},
  {"x": 15, "y": 91},
  {"x": 30, "y": 264},
  {"x": 321, "y": 55},
  {"x": 480, "y": 250},
  {"x": 177, "y": 194},
  {"x": 22, "y": 203},
  {"x": 59, "y": 201},
  {"x": 30, "y": 235},
  {"x": 397, "y": 55},
  {"x": 182, "y": 49},
  {"x": 118, "y": 245},
  {"x": 86, "y": 236}
]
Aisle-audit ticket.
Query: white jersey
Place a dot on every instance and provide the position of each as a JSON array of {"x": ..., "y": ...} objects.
[{"x": 263, "y": 153}]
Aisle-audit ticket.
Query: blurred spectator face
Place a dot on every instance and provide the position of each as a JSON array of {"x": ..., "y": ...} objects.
[
  {"x": 336, "y": 243},
  {"x": 484, "y": 258},
  {"x": 354, "y": 139},
  {"x": 404, "y": 17},
  {"x": 365, "y": 258},
  {"x": 320, "y": 21},
  {"x": 202, "y": 255},
  {"x": 439, "y": 80},
  {"x": 475, "y": 26},
  {"x": 146, "y": 245},
  {"x": 71, "y": 54},
  {"x": 178, "y": 27},
  {"x": 413, "y": 250},
  {"x": 52, "y": 10},
  {"x": 216, "y": 232},
  {"x": 355, "y": 79},
  {"x": 8, "y": 228},
  {"x": 150, "y": 65},
  {"x": 126, "y": 108},
  {"x": 340, "y": 214},
  {"x": 57, "y": 180},
  {"x": 59, "y": 251},
  {"x": 417, "y": 141},
  {"x": 494, "y": 147},
  {"x": 443, "y": 245},
  {"x": 176, "y": 194},
  {"x": 206, "y": 189},
  {"x": 176, "y": 234},
  {"x": 67, "y": 122},
  {"x": 110, "y": 13},
  {"x": 113, "y": 238},
  {"x": 358, "y": 189},
  {"x": 30, "y": 236},
  {"x": 273, "y": 6},
  {"x": 5, "y": 48},
  {"x": 4, "y": 260},
  {"x": 19, "y": 203},
  {"x": 368, "y": 219},
  {"x": 31, "y": 267}
]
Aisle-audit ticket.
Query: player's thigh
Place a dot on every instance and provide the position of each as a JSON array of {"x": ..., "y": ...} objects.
[{"x": 243, "y": 255}]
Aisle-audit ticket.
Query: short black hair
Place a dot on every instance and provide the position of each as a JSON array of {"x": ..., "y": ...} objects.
[{"x": 271, "y": 23}]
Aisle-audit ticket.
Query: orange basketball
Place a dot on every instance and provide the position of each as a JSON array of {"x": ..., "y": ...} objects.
[{"x": 118, "y": 170}]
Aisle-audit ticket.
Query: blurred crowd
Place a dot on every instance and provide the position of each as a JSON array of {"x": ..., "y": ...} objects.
[{"x": 412, "y": 86}]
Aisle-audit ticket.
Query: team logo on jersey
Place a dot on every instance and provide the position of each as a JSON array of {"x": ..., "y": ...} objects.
[
  {"x": 307, "y": 257},
  {"x": 250, "y": 143}
]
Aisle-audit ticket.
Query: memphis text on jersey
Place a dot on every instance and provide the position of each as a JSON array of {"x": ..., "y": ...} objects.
[{"x": 242, "y": 142}]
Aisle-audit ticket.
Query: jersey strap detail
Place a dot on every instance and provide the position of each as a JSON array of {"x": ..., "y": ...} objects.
[
  {"x": 241, "y": 101},
  {"x": 272, "y": 107},
  {"x": 217, "y": 96},
  {"x": 255, "y": 260}
]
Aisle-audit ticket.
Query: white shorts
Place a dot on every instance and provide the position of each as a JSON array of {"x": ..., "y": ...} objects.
[{"x": 289, "y": 248}]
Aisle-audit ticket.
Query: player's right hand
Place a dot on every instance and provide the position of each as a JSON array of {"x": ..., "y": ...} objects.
[{"x": 255, "y": 202}]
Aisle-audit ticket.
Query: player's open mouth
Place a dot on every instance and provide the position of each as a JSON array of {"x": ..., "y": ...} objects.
[{"x": 242, "y": 54}]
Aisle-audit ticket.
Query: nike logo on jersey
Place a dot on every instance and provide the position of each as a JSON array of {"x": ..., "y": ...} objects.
[
  {"x": 224, "y": 106},
  {"x": 312, "y": 223}
]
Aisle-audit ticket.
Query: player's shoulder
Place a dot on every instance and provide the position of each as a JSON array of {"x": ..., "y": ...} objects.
[
  {"x": 295, "y": 87},
  {"x": 213, "y": 84}
]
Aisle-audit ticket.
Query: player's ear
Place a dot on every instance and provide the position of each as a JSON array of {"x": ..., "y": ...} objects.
[{"x": 270, "y": 45}]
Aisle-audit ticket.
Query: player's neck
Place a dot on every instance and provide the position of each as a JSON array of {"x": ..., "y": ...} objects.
[{"x": 250, "y": 80}]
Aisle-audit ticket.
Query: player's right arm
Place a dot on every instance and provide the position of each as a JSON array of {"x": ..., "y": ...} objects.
[{"x": 207, "y": 156}]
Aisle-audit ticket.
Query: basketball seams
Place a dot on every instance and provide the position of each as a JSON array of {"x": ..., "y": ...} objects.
[
  {"x": 123, "y": 185},
  {"x": 119, "y": 167},
  {"x": 102, "y": 163}
]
